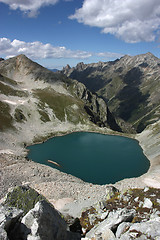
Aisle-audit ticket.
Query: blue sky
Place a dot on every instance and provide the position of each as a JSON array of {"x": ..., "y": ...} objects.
[{"x": 59, "y": 32}]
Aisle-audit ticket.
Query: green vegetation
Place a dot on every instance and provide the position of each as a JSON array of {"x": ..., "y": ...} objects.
[
  {"x": 89, "y": 219},
  {"x": 23, "y": 198},
  {"x": 112, "y": 87},
  {"x": 9, "y": 91},
  {"x": 6, "y": 120},
  {"x": 62, "y": 105},
  {"x": 44, "y": 116},
  {"x": 8, "y": 81}
]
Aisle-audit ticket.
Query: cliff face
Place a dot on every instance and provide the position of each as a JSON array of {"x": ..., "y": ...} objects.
[
  {"x": 37, "y": 102},
  {"x": 130, "y": 86},
  {"x": 95, "y": 107}
]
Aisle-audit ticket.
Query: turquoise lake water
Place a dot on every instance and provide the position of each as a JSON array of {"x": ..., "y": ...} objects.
[{"x": 93, "y": 157}]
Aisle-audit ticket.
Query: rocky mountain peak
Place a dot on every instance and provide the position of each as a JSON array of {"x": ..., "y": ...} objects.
[
  {"x": 129, "y": 85},
  {"x": 149, "y": 58},
  {"x": 80, "y": 66},
  {"x": 150, "y": 55},
  {"x": 23, "y": 56},
  {"x": 21, "y": 69},
  {"x": 68, "y": 67}
]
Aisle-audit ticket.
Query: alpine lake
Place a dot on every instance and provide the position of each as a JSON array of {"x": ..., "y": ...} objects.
[{"x": 92, "y": 157}]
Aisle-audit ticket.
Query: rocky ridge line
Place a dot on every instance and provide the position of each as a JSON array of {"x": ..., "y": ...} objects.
[{"x": 129, "y": 85}]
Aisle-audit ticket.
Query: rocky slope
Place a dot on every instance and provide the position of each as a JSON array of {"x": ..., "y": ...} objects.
[
  {"x": 35, "y": 103},
  {"x": 129, "y": 85},
  {"x": 133, "y": 214}
]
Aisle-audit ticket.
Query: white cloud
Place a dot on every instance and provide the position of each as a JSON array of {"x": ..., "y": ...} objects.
[
  {"x": 29, "y": 6},
  {"x": 38, "y": 50},
  {"x": 109, "y": 55},
  {"x": 130, "y": 20}
]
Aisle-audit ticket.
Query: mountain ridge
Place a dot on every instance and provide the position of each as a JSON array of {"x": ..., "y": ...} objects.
[
  {"x": 129, "y": 86},
  {"x": 36, "y": 102}
]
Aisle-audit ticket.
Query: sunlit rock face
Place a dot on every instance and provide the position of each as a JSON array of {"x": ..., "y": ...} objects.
[{"x": 36, "y": 103}]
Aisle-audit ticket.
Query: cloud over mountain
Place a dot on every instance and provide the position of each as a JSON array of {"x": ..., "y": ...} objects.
[
  {"x": 131, "y": 21},
  {"x": 29, "y": 6},
  {"x": 38, "y": 50}
]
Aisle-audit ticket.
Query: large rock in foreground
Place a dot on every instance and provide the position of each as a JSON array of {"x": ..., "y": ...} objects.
[
  {"x": 23, "y": 197},
  {"x": 44, "y": 222}
]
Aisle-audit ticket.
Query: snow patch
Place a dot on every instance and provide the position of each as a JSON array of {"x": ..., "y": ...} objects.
[
  {"x": 75, "y": 107},
  {"x": 10, "y": 102},
  {"x": 15, "y": 102},
  {"x": 6, "y": 151}
]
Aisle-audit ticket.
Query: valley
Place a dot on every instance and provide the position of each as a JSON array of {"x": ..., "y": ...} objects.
[{"x": 115, "y": 98}]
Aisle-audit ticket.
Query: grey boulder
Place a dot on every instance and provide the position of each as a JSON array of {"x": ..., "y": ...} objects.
[
  {"x": 44, "y": 222},
  {"x": 111, "y": 222},
  {"x": 9, "y": 217},
  {"x": 143, "y": 230}
]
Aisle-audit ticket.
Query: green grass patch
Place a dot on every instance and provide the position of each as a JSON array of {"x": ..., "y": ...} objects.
[
  {"x": 9, "y": 91},
  {"x": 8, "y": 80},
  {"x": 23, "y": 198},
  {"x": 6, "y": 120},
  {"x": 44, "y": 116},
  {"x": 60, "y": 104}
]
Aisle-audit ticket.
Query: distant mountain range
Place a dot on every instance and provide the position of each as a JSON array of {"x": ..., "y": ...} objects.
[
  {"x": 130, "y": 86},
  {"x": 54, "y": 70}
]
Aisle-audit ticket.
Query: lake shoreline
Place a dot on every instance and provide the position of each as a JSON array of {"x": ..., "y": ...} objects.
[
  {"x": 81, "y": 146},
  {"x": 43, "y": 178}
]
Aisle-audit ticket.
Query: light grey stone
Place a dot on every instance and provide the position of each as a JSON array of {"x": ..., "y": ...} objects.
[
  {"x": 136, "y": 199},
  {"x": 150, "y": 228},
  {"x": 44, "y": 222},
  {"x": 3, "y": 234},
  {"x": 147, "y": 203},
  {"x": 141, "y": 204},
  {"x": 104, "y": 215},
  {"x": 8, "y": 216},
  {"x": 123, "y": 227},
  {"x": 146, "y": 189},
  {"x": 108, "y": 234},
  {"x": 143, "y": 230},
  {"x": 105, "y": 234},
  {"x": 112, "y": 221}
]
